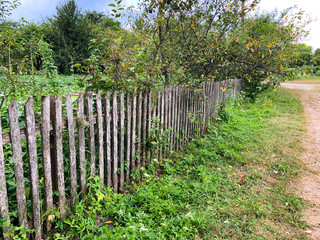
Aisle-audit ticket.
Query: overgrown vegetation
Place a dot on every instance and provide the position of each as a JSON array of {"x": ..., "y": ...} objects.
[
  {"x": 165, "y": 42},
  {"x": 229, "y": 184}
]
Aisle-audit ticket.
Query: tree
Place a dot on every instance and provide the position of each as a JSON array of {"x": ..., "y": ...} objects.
[{"x": 69, "y": 35}]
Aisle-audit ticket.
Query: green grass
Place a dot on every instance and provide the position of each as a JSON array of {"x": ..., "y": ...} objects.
[{"x": 229, "y": 184}]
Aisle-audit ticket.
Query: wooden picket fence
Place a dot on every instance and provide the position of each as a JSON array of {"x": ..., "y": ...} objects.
[{"x": 107, "y": 136}]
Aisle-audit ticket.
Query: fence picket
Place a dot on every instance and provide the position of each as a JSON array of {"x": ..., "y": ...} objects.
[
  {"x": 81, "y": 144},
  {"x": 133, "y": 135},
  {"x": 121, "y": 147},
  {"x": 59, "y": 156},
  {"x": 72, "y": 150},
  {"x": 4, "y": 205},
  {"x": 139, "y": 123},
  {"x": 18, "y": 165},
  {"x": 46, "y": 157},
  {"x": 100, "y": 137},
  {"x": 115, "y": 142},
  {"x": 128, "y": 135},
  {"x": 92, "y": 147},
  {"x": 144, "y": 129},
  {"x": 107, "y": 116},
  {"x": 33, "y": 167}
]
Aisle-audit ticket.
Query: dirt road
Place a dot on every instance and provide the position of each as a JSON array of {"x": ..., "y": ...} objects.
[{"x": 308, "y": 185}]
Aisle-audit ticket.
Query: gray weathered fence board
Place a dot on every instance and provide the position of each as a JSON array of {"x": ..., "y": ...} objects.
[
  {"x": 81, "y": 144},
  {"x": 128, "y": 136},
  {"x": 91, "y": 138},
  {"x": 107, "y": 116},
  {"x": 121, "y": 147},
  {"x": 46, "y": 157},
  {"x": 59, "y": 155},
  {"x": 133, "y": 135},
  {"x": 33, "y": 167},
  {"x": 18, "y": 165},
  {"x": 115, "y": 142},
  {"x": 100, "y": 137},
  {"x": 4, "y": 206},
  {"x": 139, "y": 127},
  {"x": 72, "y": 149}
]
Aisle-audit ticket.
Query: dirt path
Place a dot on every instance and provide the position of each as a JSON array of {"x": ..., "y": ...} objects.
[{"x": 308, "y": 185}]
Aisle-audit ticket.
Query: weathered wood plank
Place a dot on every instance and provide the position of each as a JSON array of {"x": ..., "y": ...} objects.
[
  {"x": 128, "y": 136},
  {"x": 4, "y": 206},
  {"x": 139, "y": 123},
  {"x": 162, "y": 119},
  {"x": 133, "y": 135},
  {"x": 174, "y": 117},
  {"x": 107, "y": 116},
  {"x": 46, "y": 157},
  {"x": 59, "y": 155},
  {"x": 81, "y": 144},
  {"x": 92, "y": 148},
  {"x": 144, "y": 129},
  {"x": 100, "y": 137},
  {"x": 149, "y": 121},
  {"x": 33, "y": 167},
  {"x": 115, "y": 142},
  {"x": 72, "y": 149},
  {"x": 121, "y": 147},
  {"x": 18, "y": 165}
]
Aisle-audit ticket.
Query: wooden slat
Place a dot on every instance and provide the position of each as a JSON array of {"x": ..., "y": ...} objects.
[
  {"x": 92, "y": 147},
  {"x": 33, "y": 167},
  {"x": 72, "y": 149},
  {"x": 169, "y": 117},
  {"x": 178, "y": 120},
  {"x": 59, "y": 155},
  {"x": 115, "y": 142},
  {"x": 121, "y": 147},
  {"x": 81, "y": 144},
  {"x": 159, "y": 104},
  {"x": 18, "y": 165},
  {"x": 144, "y": 129},
  {"x": 173, "y": 118},
  {"x": 162, "y": 119},
  {"x": 4, "y": 207},
  {"x": 100, "y": 137},
  {"x": 149, "y": 120},
  {"x": 46, "y": 158},
  {"x": 133, "y": 135},
  {"x": 128, "y": 135},
  {"x": 139, "y": 123},
  {"x": 107, "y": 116}
]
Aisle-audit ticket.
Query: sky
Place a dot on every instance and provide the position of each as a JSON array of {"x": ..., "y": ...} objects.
[{"x": 37, "y": 10}]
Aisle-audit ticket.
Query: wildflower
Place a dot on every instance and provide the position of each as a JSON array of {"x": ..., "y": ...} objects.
[{"x": 144, "y": 229}]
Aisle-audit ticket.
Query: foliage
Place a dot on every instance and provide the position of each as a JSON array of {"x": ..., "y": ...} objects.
[
  {"x": 6, "y": 8},
  {"x": 69, "y": 36}
]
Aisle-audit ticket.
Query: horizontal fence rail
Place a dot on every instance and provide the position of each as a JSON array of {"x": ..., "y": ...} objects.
[{"x": 108, "y": 136}]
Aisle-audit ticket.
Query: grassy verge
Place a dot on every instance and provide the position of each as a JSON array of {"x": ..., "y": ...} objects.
[{"x": 228, "y": 184}]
